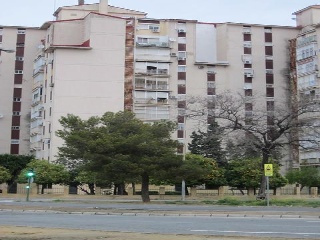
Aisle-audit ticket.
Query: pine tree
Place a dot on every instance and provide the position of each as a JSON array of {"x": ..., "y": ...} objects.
[{"x": 208, "y": 144}]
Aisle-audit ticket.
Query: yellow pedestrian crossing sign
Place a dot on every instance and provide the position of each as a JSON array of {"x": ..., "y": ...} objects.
[{"x": 268, "y": 170}]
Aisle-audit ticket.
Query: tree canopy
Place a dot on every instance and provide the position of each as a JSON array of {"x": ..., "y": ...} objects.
[
  {"x": 45, "y": 173},
  {"x": 267, "y": 126},
  {"x": 208, "y": 144},
  {"x": 4, "y": 175},
  {"x": 14, "y": 164},
  {"x": 245, "y": 174},
  {"x": 118, "y": 147},
  {"x": 306, "y": 176}
]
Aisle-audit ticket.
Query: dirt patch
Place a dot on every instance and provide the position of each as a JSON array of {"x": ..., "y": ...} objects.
[{"x": 28, "y": 233}]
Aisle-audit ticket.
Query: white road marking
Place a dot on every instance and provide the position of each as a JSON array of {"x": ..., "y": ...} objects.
[{"x": 205, "y": 230}]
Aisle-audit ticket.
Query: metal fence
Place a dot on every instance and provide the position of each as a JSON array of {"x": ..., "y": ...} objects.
[{"x": 157, "y": 190}]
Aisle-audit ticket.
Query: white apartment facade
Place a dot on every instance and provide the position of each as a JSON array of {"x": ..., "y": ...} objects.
[
  {"x": 16, "y": 76},
  {"x": 307, "y": 72},
  {"x": 96, "y": 58}
]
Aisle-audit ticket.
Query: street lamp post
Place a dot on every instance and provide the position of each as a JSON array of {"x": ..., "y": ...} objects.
[
  {"x": 30, "y": 175},
  {"x": 183, "y": 183}
]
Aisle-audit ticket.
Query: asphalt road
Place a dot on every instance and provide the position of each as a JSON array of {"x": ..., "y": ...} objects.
[
  {"x": 302, "y": 228},
  {"x": 87, "y": 205}
]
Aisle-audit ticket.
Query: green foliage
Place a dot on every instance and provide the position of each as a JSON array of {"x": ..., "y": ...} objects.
[
  {"x": 244, "y": 174},
  {"x": 14, "y": 164},
  {"x": 197, "y": 170},
  {"x": 45, "y": 173},
  {"x": 208, "y": 144},
  {"x": 307, "y": 176},
  {"x": 4, "y": 174},
  {"x": 277, "y": 180},
  {"x": 234, "y": 201},
  {"x": 86, "y": 177},
  {"x": 118, "y": 147}
]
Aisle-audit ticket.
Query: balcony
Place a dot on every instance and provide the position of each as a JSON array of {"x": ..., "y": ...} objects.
[
  {"x": 152, "y": 87},
  {"x": 153, "y": 57},
  {"x": 153, "y": 44},
  {"x": 36, "y": 123},
  {"x": 153, "y": 71},
  {"x": 151, "y": 101}
]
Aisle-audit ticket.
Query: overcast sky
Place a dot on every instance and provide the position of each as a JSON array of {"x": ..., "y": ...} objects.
[{"x": 32, "y": 13}]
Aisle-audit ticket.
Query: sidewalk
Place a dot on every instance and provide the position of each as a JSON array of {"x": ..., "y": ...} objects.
[{"x": 125, "y": 205}]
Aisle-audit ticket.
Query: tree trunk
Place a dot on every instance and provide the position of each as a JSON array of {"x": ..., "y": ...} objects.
[
  {"x": 91, "y": 187},
  {"x": 134, "y": 188},
  {"x": 145, "y": 187},
  {"x": 42, "y": 188},
  {"x": 119, "y": 189},
  {"x": 265, "y": 159}
]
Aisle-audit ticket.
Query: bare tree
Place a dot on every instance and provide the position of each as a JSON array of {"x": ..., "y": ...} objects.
[{"x": 267, "y": 128}]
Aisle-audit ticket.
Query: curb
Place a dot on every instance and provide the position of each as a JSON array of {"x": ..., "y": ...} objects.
[{"x": 226, "y": 215}]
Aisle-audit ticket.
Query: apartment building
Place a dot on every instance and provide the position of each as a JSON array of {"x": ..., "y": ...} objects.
[
  {"x": 167, "y": 69},
  {"x": 307, "y": 72},
  {"x": 16, "y": 76},
  {"x": 84, "y": 66},
  {"x": 95, "y": 58}
]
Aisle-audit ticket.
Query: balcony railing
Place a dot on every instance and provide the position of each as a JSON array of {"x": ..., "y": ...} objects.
[
  {"x": 153, "y": 71},
  {"x": 151, "y": 101},
  {"x": 153, "y": 44},
  {"x": 152, "y": 87}
]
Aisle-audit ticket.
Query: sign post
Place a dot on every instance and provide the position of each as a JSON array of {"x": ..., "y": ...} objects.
[{"x": 268, "y": 172}]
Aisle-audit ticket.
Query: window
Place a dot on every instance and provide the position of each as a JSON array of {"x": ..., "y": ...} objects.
[
  {"x": 270, "y": 105},
  {"x": 269, "y": 64},
  {"x": 15, "y": 128},
  {"x": 180, "y": 119},
  {"x": 269, "y": 78},
  {"x": 268, "y": 37},
  {"x": 270, "y": 92},
  {"x": 15, "y": 99},
  {"x": 180, "y": 133},
  {"x": 248, "y": 92},
  {"x": 211, "y": 91},
  {"x": 182, "y": 75},
  {"x": 270, "y": 120},
  {"x": 182, "y": 47},
  {"x": 181, "y": 89},
  {"x": 154, "y": 28},
  {"x": 211, "y": 77},
  {"x": 15, "y": 141},
  {"x": 182, "y": 104},
  {"x": 18, "y": 58},
  {"x": 247, "y": 79},
  {"x": 247, "y": 50},
  {"x": 246, "y": 37},
  {"x": 269, "y": 50},
  {"x": 18, "y": 71},
  {"x": 248, "y": 106}
]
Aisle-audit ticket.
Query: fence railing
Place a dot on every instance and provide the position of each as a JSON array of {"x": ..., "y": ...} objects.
[{"x": 160, "y": 190}]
